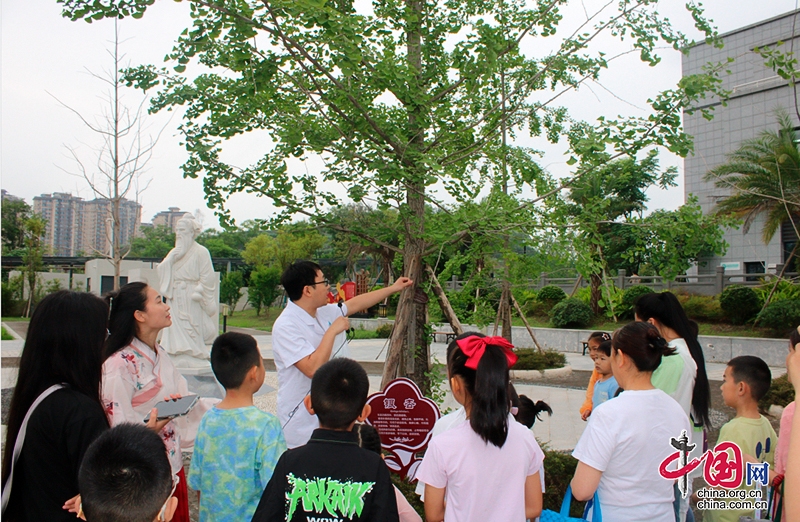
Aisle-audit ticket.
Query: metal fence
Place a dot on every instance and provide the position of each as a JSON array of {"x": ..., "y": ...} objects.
[{"x": 701, "y": 284}]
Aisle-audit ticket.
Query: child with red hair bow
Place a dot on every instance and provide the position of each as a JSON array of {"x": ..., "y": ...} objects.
[{"x": 487, "y": 468}]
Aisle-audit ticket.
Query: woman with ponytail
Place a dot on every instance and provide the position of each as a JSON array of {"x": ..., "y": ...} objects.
[
  {"x": 486, "y": 468},
  {"x": 626, "y": 439},
  {"x": 683, "y": 376}
]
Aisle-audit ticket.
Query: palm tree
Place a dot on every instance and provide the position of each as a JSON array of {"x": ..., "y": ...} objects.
[{"x": 764, "y": 177}]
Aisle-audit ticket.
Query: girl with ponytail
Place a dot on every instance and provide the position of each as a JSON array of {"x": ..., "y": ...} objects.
[
  {"x": 486, "y": 468},
  {"x": 626, "y": 439}
]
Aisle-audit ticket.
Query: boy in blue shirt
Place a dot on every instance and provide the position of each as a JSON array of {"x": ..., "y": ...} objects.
[
  {"x": 606, "y": 385},
  {"x": 237, "y": 444}
]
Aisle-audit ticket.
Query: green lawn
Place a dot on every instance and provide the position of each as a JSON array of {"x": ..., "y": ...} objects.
[
  {"x": 4, "y": 335},
  {"x": 25, "y": 319},
  {"x": 249, "y": 319},
  {"x": 264, "y": 321}
]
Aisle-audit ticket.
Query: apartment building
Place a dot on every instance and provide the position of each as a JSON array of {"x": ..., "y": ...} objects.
[{"x": 78, "y": 227}]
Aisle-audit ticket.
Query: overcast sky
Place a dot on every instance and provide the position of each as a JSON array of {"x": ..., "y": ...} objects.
[{"x": 44, "y": 53}]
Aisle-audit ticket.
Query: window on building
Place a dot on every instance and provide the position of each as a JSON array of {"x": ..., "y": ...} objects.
[{"x": 754, "y": 267}]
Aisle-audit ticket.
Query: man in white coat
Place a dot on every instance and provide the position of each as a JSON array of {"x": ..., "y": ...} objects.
[{"x": 306, "y": 335}]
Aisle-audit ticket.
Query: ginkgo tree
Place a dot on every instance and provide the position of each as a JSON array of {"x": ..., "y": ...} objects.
[{"x": 406, "y": 102}]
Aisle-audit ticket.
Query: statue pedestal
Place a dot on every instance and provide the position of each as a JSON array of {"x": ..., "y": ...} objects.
[
  {"x": 188, "y": 365},
  {"x": 200, "y": 377}
]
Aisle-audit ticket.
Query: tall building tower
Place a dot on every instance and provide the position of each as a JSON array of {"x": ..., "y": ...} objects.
[
  {"x": 756, "y": 92},
  {"x": 168, "y": 218},
  {"x": 64, "y": 217},
  {"x": 78, "y": 227},
  {"x": 98, "y": 226}
]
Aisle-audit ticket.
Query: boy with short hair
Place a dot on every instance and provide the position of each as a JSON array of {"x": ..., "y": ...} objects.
[
  {"x": 746, "y": 380},
  {"x": 331, "y": 477},
  {"x": 237, "y": 444},
  {"x": 126, "y": 476}
]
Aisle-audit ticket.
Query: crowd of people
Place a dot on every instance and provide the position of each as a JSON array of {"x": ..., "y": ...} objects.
[{"x": 84, "y": 436}]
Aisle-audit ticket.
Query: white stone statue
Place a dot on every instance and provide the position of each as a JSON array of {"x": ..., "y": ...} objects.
[{"x": 188, "y": 281}]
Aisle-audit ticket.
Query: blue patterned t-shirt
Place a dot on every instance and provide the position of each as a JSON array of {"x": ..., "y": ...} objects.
[{"x": 234, "y": 455}]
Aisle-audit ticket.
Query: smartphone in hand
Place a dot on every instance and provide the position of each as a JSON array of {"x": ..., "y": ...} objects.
[{"x": 174, "y": 407}]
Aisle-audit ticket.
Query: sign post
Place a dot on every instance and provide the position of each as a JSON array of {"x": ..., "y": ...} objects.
[{"x": 404, "y": 419}]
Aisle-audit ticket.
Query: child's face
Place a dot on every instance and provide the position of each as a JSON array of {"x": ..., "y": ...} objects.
[
  {"x": 729, "y": 388},
  {"x": 593, "y": 345},
  {"x": 602, "y": 363}
]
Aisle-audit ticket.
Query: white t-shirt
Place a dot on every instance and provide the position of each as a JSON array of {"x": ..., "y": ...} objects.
[
  {"x": 296, "y": 335},
  {"x": 483, "y": 482},
  {"x": 444, "y": 423},
  {"x": 627, "y": 439}
]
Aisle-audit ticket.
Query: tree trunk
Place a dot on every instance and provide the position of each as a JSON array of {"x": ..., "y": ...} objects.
[
  {"x": 505, "y": 303},
  {"x": 420, "y": 354},
  {"x": 116, "y": 259},
  {"x": 444, "y": 302},
  {"x": 406, "y": 314},
  {"x": 478, "y": 270},
  {"x": 778, "y": 280},
  {"x": 411, "y": 311},
  {"x": 596, "y": 281},
  {"x": 525, "y": 322}
]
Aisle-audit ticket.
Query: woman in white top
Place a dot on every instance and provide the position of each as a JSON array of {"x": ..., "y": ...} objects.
[{"x": 626, "y": 439}]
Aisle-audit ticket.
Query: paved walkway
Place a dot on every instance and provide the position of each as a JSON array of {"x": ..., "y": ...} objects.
[{"x": 560, "y": 432}]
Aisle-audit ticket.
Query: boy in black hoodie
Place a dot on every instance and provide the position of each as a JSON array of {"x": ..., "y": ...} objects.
[{"x": 331, "y": 478}]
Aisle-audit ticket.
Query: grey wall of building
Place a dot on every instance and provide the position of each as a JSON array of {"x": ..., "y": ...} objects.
[{"x": 756, "y": 93}]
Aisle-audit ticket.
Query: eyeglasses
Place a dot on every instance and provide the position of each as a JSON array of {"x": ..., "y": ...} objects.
[{"x": 323, "y": 282}]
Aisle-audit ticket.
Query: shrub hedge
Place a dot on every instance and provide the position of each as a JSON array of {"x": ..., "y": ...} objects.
[
  {"x": 533, "y": 359},
  {"x": 781, "y": 316},
  {"x": 551, "y": 294},
  {"x": 781, "y": 392},
  {"x": 384, "y": 331},
  {"x": 571, "y": 313},
  {"x": 629, "y": 297},
  {"x": 740, "y": 303}
]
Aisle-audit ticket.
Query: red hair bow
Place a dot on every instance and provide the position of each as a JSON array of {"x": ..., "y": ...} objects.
[{"x": 474, "y": 347}]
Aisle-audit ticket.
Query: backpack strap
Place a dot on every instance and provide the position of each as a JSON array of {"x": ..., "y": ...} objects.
[{"x": 21, "y": 439}]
